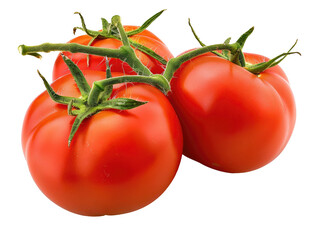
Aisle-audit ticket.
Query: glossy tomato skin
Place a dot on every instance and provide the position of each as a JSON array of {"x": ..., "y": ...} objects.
[
  {"x": 232, "y": 120},
  {"x": 118, "y": 161},
  {"x": 97, "y": 63}
]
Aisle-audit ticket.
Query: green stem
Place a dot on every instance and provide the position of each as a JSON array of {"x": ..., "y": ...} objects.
[
  {"x": 87, "y": 31},
  {"x": 88, "y": 56},
  {"x": 128, "y": 55},
  {"x": 125, "y": 53},
  {"x": 194, "y": 33},
  {"x": 116, "y": 21},
  {"x": 95, "y": 95},
  {"x": 68, "y": 47},
  {"x": 104, "y": 96},
  {"x": 199, "y": 41},
  {"x": 174, "y": 63},
  {"x": 156, "y": 80}
]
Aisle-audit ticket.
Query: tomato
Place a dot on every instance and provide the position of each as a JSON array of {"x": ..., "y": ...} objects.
[
  {"x": 145, "y": 38},
  {"x": 117, "y": 162},
  {"x": 232, "y": 120}
]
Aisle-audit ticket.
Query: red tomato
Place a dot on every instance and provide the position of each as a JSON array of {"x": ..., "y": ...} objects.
[
  {"x": 118, "y": 161},
  {"x": 145, "y": 38},
  {"x": 232, "y": 120}
]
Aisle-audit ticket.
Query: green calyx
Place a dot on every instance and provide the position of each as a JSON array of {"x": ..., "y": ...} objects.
[
  {"x": 260, "y": 67},
  {"x": 91, "y": 101},
  {"x": 111, "y": 30},
  {"x": 235, "y": 54}
]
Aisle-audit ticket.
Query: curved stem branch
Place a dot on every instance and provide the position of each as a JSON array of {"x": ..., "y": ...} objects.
[
  {"x": 156, "y": 80},
  {"x": 174, "y": 63},
  {"x": 87, "y": 31},
  {"x": 199, "y": 41}
]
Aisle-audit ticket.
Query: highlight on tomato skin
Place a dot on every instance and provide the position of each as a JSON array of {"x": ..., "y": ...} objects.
[
  {"x": 146, "y": 38},
  {"x": 118, "y": 162},
  {"x": 232, "y": 120}
]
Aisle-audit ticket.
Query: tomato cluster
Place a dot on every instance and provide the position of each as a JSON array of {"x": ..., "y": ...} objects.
[{"x": 219, "y": 112}]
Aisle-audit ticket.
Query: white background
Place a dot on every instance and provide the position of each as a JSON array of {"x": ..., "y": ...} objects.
[{"x": 279, "y": 201}]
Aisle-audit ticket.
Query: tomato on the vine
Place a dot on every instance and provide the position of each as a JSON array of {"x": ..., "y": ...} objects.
[
  {"x": 118, "y": 161},
  {"x": 145, "y": 38},
  {"x": 232, "y": 120}
]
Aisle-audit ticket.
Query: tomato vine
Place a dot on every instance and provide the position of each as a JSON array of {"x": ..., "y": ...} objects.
[{"x": 232, "y": 52}]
